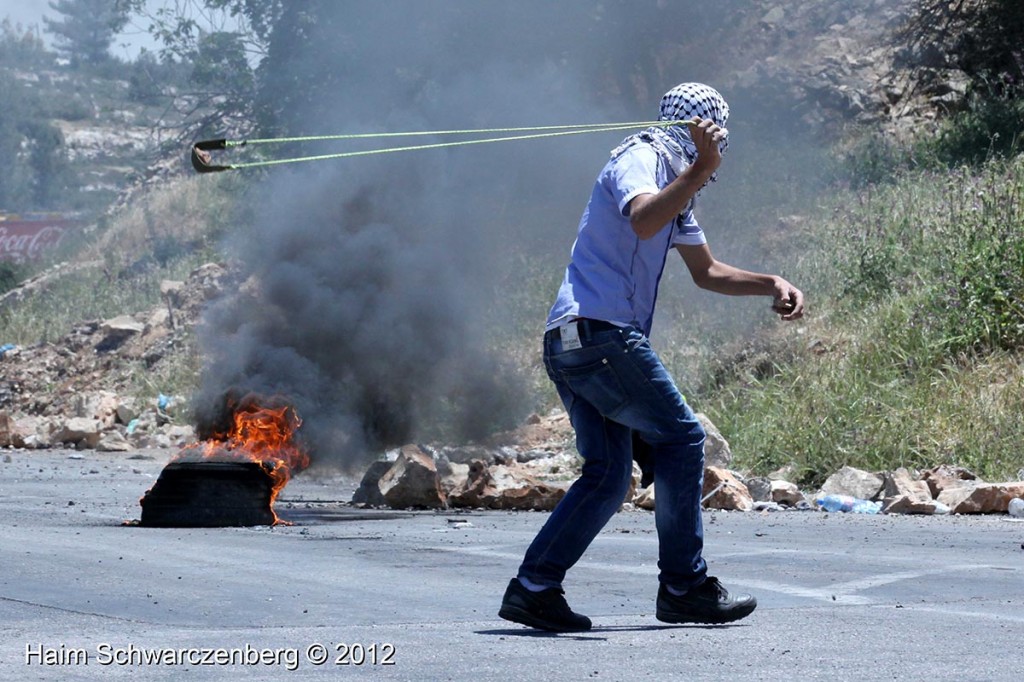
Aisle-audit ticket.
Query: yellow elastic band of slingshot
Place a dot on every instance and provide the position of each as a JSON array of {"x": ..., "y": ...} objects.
[{"x": 532, "y": 133}]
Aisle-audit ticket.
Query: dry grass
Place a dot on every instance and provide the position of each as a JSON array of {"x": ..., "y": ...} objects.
[{"x": 182, "y": 214}]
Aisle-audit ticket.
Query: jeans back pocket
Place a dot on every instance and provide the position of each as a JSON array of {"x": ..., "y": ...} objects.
[{"x": 598, "y": 384}]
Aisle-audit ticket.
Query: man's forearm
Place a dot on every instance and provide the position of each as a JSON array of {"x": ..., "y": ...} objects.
[
  {"x": 649, "y": 213},
  {"x": 726, "y": 279}
]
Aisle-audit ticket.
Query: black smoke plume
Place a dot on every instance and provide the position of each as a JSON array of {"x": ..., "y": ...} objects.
[{"x": 373, "y": 290}]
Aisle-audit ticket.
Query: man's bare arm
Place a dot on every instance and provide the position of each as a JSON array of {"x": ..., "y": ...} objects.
[
  {"x": 714, "y": 275},
  {"x": 649, "y": 213}
]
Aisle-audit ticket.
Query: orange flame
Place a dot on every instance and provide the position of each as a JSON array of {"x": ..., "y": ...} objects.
[{"x": 258, "y": 434}]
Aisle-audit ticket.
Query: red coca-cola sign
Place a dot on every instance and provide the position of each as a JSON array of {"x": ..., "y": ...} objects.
[{"x": 28, "y": 237}]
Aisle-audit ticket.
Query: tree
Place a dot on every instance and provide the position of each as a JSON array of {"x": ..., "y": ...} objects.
[
  {"x": 47, "y": 161},
  {"x": 21, "y": 47},
  {"x": 277, "y": 65},
  {"x": 36, "y": 173},
  {"x": 220, "y": 43},
  {"x": 982, "y": 38},
  {"x": 14, "y": 181},
  {"x": 87, "y": 28}
]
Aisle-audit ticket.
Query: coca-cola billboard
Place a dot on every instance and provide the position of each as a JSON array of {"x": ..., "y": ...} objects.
[{"x": 27, "y": 237}]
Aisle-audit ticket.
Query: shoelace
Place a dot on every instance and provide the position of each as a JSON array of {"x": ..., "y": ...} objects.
[
  {"x": 556, "y": 600},
  {"x": 714, "y": 586}
]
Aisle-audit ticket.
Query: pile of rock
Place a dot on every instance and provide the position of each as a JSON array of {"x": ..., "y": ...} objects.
[
  {"x": 941, "y": 490},
  {"x": 529, "y": 468},
  {"x": 99, "y": 420},
  {"x": 75, "y": 391},
  {"x": 532, "y": 467},
  {"x": 417, "y": 477}
]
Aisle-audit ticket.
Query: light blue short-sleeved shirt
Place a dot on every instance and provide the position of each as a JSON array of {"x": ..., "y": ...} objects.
[{"x": 613, "y": 275}]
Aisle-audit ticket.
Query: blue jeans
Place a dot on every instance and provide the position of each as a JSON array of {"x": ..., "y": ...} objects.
[{"x": 612, "y": 386}]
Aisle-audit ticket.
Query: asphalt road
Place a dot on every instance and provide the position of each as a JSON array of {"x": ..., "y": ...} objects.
[{"x": 414, "y": 596}]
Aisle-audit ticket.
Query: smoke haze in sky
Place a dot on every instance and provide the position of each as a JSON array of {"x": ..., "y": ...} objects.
[{"x": 374, "y": 289}]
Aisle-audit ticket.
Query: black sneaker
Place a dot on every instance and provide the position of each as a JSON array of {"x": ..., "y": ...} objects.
[
  {"x": 546, "y": 610},
  {"x": 709, "y": 602}
]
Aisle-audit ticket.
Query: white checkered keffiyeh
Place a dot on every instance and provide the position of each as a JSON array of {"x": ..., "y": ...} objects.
[{"x": 674, "y": 144}]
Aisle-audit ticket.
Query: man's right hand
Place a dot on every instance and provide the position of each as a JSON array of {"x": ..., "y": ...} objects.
[
  {"x": 650, "y": 213},
  {"x": 706, "y": 136}
]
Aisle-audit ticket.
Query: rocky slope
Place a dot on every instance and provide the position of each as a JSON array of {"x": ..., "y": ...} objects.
[{"x": 832, "y": 64}]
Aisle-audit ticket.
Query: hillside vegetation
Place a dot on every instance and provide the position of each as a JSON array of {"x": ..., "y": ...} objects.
[{"x": 910, "y": 248}]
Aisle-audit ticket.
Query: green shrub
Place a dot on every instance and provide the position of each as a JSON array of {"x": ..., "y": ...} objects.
[
  {"x": 150, "y": 80},
  {"x": 958, "y": 237},
  {"x": 73, "y": 108},
  {"x": 10, "y": 275},
  {"x": 990, "y": 127}
]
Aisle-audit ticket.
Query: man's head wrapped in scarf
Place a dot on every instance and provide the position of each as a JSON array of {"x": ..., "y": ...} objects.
[{"x": 674, "y": 143}]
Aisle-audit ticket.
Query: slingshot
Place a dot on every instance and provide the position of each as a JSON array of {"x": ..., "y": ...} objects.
[{"x": 202, "y": 157}]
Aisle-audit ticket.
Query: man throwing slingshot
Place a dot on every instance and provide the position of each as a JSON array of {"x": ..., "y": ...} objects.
[{"x": 614, "y": 386}]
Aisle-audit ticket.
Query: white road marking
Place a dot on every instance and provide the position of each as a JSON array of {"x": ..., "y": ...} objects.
[
  {"x": 987, "y": 615},
  {"x": 868, "y": 582},
  {"x": 837, "y": 593},
  {"x": 652, "y": 570}
]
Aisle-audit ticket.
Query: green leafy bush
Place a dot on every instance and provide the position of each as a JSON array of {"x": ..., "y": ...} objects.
[
  {"x": 990, "y": 127},
  {"x": 10, "y": 275},
  {"x": 957, "y": 236},
  {"x": 981, "y": 37},
  {"x": 152, "y": 80}
]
